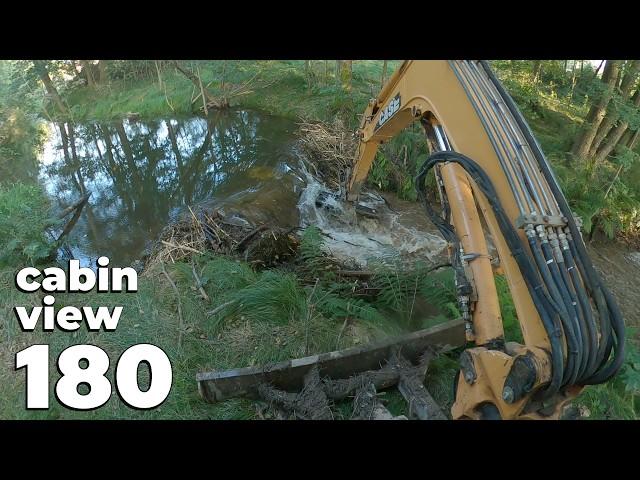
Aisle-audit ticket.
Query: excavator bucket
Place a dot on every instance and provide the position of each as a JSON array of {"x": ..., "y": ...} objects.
[{"x": 306, "y": 388}]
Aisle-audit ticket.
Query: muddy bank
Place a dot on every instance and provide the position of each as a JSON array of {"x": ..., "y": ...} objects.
[{"x": 619, "y": 266}]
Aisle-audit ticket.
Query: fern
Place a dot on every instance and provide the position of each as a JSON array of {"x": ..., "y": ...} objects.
[
  {"x": 401, "y": 288},
  {"x": 333, "y": 306},
  {"x": 314, "y": 262},
  {"x": 439, "y": 289}
]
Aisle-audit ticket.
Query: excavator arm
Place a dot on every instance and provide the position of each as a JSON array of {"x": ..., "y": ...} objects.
[{"x": 496, "y": 184}]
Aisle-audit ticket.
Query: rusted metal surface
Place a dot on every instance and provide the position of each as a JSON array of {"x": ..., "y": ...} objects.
[{"x": 289, "y": 375}]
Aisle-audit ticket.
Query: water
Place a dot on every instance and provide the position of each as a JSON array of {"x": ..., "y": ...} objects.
[
  {"x": 143, "y": 174},
  {"x": 402, "y": 232}
]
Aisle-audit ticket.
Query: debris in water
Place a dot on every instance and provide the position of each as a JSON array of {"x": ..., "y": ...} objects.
[
  {"x": 330, "y": 148},
  {"x": 262, "y": 245}
]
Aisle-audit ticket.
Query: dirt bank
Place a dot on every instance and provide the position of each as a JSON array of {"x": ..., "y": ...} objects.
[{"x": 619, "y": 266}]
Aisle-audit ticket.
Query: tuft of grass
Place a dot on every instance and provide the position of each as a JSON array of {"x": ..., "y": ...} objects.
[{"x": 23, "y": 219}]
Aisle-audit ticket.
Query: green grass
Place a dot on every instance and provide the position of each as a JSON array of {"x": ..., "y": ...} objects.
[
  {"x": 23, "y": 220},
  {"x": 274, "y": 86}
]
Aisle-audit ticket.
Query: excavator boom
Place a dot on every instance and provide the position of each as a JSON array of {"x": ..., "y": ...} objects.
[{"x": 495, "y": 183}]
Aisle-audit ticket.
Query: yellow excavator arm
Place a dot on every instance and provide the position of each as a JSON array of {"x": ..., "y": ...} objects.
[{"x": 493, "y": 178}]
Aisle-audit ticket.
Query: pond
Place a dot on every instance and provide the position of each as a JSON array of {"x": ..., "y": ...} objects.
[
  {"x": 141, "y": 174},
  {"x": 144, "y": 174}
]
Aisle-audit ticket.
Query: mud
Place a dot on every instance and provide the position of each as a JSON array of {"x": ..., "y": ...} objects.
[{"x": 619, "y": 266}]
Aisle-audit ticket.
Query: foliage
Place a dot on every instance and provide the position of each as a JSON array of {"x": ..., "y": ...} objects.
[
  {"x": 510, "y": 322},
  {"x": 620, "y": 397},
  {"x": 23, "y": 219},
  {"x": 600, "y": 196}
]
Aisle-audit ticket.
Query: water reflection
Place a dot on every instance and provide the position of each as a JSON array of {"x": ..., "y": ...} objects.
[{"x": 141, "y": 174}]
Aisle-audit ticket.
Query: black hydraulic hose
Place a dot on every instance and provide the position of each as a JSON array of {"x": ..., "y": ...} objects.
[
  {"x": 563, "y": 288},
  {"x": 585, "y": 305},
  {"x": 543, "y": 303},
  {"x": 611, "y": 369},
  {"x": 571, "y": 371},
  {"x": 610, "y": 307},
  {"x": 605, "y": 341},
  {"x": 580, "y": 316},
  {"x": 581, "y": 347}
]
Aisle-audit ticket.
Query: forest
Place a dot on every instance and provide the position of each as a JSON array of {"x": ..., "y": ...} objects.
[{"x": 141, "y": 140}]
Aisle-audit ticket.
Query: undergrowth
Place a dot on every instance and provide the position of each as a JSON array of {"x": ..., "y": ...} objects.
[{"x": 24, "y": 213}]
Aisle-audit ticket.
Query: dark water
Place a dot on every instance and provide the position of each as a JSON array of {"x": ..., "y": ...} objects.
[{"x": 141, "y": 174}]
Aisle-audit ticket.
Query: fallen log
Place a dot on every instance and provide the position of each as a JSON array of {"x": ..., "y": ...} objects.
[
  {"x": 411, "y": 386},
  {"x": 77, "y": 204},
  {"x": 211, "y": 100},
  {"x": 77, "y": 207},
  {"x": 366, "y": 405},
  {"x": 289, "y": 375}
]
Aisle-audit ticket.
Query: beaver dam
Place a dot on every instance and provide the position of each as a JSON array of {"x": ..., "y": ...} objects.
[{"x": 223, "y": 212}]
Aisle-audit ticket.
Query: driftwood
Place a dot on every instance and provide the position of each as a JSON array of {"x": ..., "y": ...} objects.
[
  {"x": 411, "y": 386},
  {"x": 367, "y": 406},
  {"x": 211, "y": 100},
  {"x": 77, "y": 207}
]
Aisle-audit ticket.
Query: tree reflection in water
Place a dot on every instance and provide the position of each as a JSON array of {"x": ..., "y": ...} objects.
[{"x": 142, "y": 173}]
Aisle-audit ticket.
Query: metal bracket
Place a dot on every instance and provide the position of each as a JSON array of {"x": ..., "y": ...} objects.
[{"x": 545, "y": 220}]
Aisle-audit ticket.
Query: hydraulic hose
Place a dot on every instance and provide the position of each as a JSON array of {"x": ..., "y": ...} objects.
[
  {"x": 545, "y": 305},
  {"x": 585, "y": 306},
  {"x": 611, "y": 324}
]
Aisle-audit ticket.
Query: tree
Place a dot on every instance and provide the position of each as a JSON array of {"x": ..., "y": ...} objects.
[
  {"x": 628, "y": 82},
  {"x": 537, "y": 69},
  {"x": 614, "y": 137},
  {"x": 384, "y": 73},
  {"x": 344, "y": 73},
  {"x": 211, "y": 100},
  {"x": 102, "y": 71},
  {"x": 597, "y": 111},
  {"x": 309, "y": 73},
  {"x": 40, "y": 67},
  {"x": 88, "y": 74}
]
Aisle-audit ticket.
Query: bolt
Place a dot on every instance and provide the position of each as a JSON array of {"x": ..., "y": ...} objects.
[
  {"x": 508, "y": 395},
  {"x": 468, "y": 377}
]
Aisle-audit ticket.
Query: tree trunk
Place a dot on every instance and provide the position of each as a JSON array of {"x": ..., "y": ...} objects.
[
  {"x": 384, "y": 74},
  {"x": 308, "y": 73},
  {"x": 574, "y": 78},
  {"x": 598, "y": 69},
  {"x": 633, "y": 140},
  {"x": 613, "y": 139},
  {"x": 215, "y": 102},
  {"x": 102, "y": 72},
  {"x": 537, "y": 69},
  {"x": 346, "y": 74},
  {"x": 86, "y": 68},
  {"x": 43, "y": 74},
  {"x": 627, "y": 84},
  {"x": 597, "y": 112}
]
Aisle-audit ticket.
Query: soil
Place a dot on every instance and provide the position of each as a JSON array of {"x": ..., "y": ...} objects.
[{"x": 619, "y": 266}]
